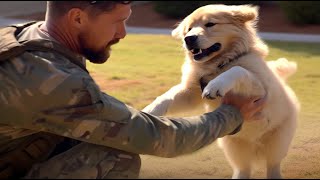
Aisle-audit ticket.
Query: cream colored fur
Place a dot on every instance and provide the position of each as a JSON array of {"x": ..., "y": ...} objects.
[{"x": 269, "y": 137}]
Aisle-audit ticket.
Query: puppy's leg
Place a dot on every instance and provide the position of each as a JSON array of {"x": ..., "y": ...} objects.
[
  {"x": 237, "y": 79},
  {"x": 177, "y": 99},
  {"x": 277, "y": 146},
  {"x": 273, "y": 171},
  {"x": 239, "y": 154}
]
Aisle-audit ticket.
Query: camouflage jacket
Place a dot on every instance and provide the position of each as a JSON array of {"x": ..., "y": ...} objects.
[{"x": 50, "y": 90}]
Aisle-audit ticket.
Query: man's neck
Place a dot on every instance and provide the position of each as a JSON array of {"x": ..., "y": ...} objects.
[{"x": 62, "y": 34}]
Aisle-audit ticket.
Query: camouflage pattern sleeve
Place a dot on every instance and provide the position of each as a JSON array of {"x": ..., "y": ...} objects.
[{"x": 60, "y": 98}]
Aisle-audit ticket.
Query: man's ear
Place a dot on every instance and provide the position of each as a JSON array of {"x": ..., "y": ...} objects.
[
  {"x": 178, "y": 31},
  {"x": 77, "y": 18},
  {"x": 244, "y": 13}
]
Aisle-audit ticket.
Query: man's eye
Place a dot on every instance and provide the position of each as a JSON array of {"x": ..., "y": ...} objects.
[{"x": 209, "y": 24}]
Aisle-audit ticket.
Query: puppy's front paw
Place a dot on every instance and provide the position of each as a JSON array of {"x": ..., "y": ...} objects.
[
  {"x": 158, "y": 108},
  {"x": 216, "y": 88}
]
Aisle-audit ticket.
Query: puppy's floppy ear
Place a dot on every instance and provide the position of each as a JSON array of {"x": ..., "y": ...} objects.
[
  {"x": 246, "y": 13},
  {"x": 178, "y": 31}
]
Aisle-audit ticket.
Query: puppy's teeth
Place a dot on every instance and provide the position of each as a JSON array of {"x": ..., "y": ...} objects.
[{"x": 199, "y": 52}]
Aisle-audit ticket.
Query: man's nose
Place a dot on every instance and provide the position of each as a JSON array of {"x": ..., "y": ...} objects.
[{"x": 122, "y": 32}]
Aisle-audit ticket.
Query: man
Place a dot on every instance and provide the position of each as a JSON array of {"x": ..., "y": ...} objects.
[{"x": 55, "y": 121}]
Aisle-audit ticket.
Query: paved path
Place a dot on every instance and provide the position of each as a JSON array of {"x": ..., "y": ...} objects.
[
  {"x": 290, "y": 37},
  {"x": 14, "y": 8},
  {"x": 264, "y": 35}
]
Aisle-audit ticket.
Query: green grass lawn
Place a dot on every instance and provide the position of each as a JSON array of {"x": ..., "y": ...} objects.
[{"x": 144, "y": 66}]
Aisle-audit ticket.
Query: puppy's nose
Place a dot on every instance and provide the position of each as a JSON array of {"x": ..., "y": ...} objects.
[{"x": 191, "y": 40}]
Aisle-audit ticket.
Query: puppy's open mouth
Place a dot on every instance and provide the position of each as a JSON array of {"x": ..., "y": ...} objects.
[{"x": 201, "y": 53}]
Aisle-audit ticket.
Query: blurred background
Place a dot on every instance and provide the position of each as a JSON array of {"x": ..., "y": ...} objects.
[
  {"x": 274, "y": 16},
  {"x": 122, "y": 78}
]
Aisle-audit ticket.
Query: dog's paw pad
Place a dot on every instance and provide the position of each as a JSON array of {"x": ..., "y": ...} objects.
[
  {"x": 208, "y": 96},
  {"x": 219, "y": 94}
]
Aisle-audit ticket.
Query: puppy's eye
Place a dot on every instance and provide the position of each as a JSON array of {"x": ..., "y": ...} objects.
[
  {"x": 209, "y": 24},
  {"x": 189, "y": 29}
]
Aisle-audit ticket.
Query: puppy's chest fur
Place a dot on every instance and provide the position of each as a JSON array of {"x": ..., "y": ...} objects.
[{"x": 201, "y": 74}]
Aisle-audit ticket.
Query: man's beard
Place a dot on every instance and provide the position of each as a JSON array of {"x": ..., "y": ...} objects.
[{"x": 96, "y": 57}]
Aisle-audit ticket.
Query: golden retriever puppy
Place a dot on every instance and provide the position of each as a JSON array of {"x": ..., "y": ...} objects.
[{"x": 223, "y": 53}]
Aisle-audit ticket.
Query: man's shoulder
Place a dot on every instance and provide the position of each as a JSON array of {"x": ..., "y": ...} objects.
[
  {"x": 49, "y": 64},
  {"x": 35, "y": 47}
]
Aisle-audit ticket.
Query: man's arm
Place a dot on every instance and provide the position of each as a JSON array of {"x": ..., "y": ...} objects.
[{"x": 72, "y": 105}]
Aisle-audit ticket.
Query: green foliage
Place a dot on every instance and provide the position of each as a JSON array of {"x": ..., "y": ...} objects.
[
  {"x": 180, "y": 9},
  {"x": 302, "y": 12}
]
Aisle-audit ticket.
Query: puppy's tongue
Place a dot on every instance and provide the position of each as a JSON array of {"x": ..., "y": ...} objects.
[
  {"x": 206, "y": 52},
  {"x": 214, "y": 48},
  {"x": 199, "y": 56}
]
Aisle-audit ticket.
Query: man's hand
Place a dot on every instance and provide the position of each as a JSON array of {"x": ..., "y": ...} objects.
[{"x": 248, "y": 106}]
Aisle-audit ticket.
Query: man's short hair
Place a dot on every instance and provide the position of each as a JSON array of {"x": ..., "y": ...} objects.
[{"x": 60, "y": 8}]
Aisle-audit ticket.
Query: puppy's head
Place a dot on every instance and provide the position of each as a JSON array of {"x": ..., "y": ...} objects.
[{"x": 212, "y": 30}]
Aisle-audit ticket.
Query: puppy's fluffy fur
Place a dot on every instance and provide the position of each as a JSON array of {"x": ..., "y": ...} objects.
[{"x": 223, "y": 51}]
